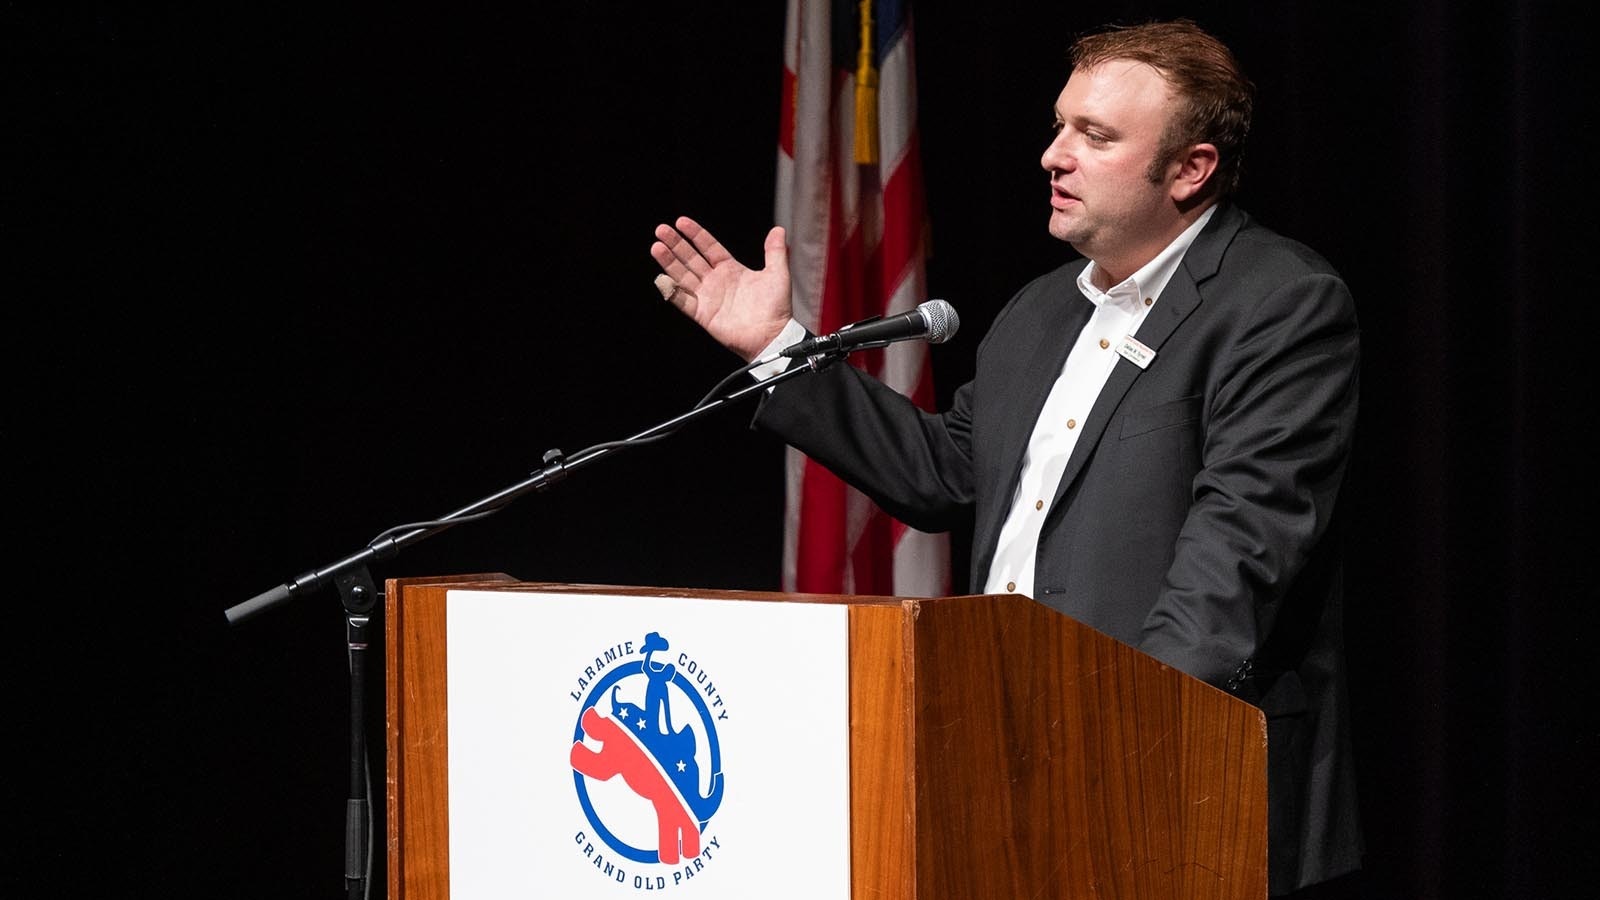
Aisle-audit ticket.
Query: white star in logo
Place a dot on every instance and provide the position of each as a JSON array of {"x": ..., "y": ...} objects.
[
  {"x": 622, "y": 713},
  {"x": 680, "y": 765},
  {"x": 641, "y": 724}
]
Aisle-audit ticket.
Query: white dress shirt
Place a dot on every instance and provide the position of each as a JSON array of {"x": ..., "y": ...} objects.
[{"x": 1118, "y": 312}]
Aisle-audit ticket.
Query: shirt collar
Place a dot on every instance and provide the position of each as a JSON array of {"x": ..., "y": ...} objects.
[{"x": 1151, "y": 279}]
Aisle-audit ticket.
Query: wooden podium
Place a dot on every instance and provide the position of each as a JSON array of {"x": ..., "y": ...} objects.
[{"x": 998, "y": 749}]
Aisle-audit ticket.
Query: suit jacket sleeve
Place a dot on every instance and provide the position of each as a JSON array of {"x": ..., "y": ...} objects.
[
  {"x": 914, "y": 464},
  {"x": 1277, "y": 439}
]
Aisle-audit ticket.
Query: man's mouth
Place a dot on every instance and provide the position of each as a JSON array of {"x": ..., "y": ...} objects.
[{"x": 1060, "y": 198}]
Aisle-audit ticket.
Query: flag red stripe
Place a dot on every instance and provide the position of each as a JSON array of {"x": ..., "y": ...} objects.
[
  {"x": 787, "y": 113},
  {"x": 821, "y": 564},
  {"x": 903, "y": 218},
  {"x": 873, "y": 557}
]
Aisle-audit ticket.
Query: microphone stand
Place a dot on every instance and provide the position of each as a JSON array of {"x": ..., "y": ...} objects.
[{"x": 359, "y": 594}]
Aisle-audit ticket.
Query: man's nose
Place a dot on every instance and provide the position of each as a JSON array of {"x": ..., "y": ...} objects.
[{"x": 1057, "y": 155}]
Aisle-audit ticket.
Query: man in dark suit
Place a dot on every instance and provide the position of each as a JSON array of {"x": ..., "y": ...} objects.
[{"x": 1156, "y": 434}]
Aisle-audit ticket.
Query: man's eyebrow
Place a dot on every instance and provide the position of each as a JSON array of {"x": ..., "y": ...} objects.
[{"x": 1084, "y": 123}]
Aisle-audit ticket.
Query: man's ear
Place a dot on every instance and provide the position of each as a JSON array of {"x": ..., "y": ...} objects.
[{"x": 1193, "y": 171}]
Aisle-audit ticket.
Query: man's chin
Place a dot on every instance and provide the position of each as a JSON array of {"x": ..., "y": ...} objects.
[{"x": 1066, "y": 230}]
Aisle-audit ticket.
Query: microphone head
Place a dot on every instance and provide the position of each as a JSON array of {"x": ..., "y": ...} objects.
[{"x": 942, "y": 320}]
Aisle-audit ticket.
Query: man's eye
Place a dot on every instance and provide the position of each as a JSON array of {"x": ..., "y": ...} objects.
[{"x": 1095, "y": 137}]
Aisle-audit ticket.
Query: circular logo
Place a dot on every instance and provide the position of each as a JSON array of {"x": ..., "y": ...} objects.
[{"x": 646, "y": 762}]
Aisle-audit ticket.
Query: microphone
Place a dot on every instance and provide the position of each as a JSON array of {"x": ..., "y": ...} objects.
[{"x": 934, "y": 321}]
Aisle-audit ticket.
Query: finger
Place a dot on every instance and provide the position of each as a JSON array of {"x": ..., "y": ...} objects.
[
  {"x": 685, "y": 252},
  {"x": 671, "y": 264},
  {"x": 676, "y": 294},
  {"x": 776, "y": 249},
  {"x": 704, "y": 241}
]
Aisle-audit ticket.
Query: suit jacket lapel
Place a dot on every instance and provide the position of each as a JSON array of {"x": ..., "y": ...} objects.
[{"x": 1178, "y": 300}]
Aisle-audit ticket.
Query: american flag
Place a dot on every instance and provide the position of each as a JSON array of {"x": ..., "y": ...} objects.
[{"x": 850, "y": 196}]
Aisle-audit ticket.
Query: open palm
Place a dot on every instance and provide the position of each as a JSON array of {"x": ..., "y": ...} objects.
[{"x": 742, "y": 308}]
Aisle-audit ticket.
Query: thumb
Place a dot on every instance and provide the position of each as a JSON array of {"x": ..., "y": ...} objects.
[{"x": 776, "y": 249}]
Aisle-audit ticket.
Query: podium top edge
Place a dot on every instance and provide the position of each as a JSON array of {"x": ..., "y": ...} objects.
[{"x": 502, "y": 582}]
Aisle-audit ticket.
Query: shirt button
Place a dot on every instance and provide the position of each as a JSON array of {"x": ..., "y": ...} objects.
[
  {"x": 1149, "y": 300},
  {"x": 1038, "y": 504},
  {"x": 1104, "y": 343},
  {"x": 1072, "y": 423},
  {"x": 1011, "y": 586}
]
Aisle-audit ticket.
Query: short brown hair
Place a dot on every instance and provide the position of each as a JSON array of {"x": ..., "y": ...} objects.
[{"x": 1217, "y": 97}]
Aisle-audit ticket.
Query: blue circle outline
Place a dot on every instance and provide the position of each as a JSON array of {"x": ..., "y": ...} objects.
[{"x": 615, "y": 675}]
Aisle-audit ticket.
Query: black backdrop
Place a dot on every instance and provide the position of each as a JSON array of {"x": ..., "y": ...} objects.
[{"x": 282, "y": 278}]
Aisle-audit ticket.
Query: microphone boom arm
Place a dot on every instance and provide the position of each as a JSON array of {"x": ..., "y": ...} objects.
[{"x": 555, "y": 469}]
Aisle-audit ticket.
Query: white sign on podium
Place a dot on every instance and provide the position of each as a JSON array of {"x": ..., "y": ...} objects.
[{"x": 604, "y": 745}]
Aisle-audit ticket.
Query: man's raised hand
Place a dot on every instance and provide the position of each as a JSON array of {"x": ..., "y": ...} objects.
[{"x": 742, "y": 308}]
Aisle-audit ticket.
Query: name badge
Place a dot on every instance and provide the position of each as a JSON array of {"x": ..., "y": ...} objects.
[{"x": 1135, "y": 352}]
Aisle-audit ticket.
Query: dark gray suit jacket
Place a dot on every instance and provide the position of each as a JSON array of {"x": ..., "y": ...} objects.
[{"x": 1195, "y": 519}]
